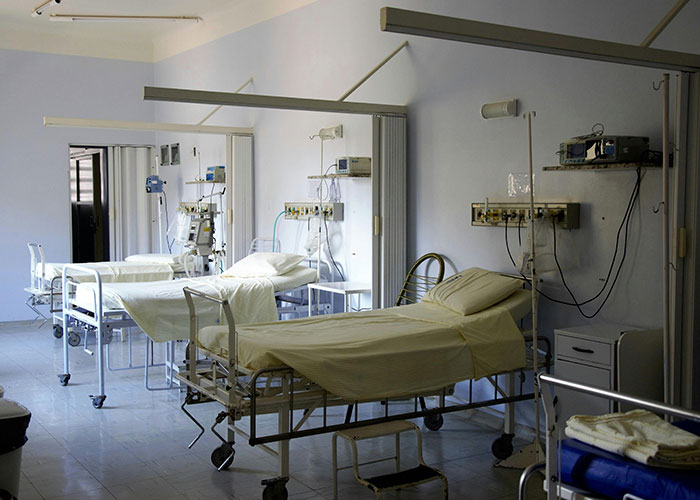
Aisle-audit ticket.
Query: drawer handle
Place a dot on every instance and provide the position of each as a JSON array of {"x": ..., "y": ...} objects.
[{"x": 581, "y": 349}]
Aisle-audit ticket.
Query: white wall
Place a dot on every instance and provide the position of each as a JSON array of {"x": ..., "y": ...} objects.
[
  {"x": 455, "y": 157},
  {"x": 34, "y": 196}
]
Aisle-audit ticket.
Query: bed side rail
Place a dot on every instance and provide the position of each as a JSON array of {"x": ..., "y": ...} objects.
[
  {"x": 69, "y": 284},
  {"x": 194, "y": 330},
  {"x": 37, "y": 280},
  {"x": 553, "y": 426}
]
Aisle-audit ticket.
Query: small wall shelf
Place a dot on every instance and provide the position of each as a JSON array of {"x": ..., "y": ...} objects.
[
  {"x": 619, "y": 167},
  {"x": 340, "y": 176},
  {"x": 205, "y": 182}
]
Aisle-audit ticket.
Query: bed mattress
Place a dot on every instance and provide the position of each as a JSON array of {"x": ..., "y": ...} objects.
[
  {"x": 113, "y": 272},
  {"x": 612, "y": 475},
  {"x": 159, "y": 307},
  {"x": 384, "y": 353}
]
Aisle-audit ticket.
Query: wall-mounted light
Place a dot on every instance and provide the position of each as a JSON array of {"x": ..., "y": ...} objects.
[
  {"x": 116, "y": 18},
  {"x": 499, "y": 109},
  {"x": 41, "y": 8}
]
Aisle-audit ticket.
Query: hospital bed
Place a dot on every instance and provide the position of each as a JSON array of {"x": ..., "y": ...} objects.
[
  {"x": 158, "y": 308},
  {"x": 579, "y": 471},
  {"x": 45, "y": 277},
  {"x": 299, "y": 370}
]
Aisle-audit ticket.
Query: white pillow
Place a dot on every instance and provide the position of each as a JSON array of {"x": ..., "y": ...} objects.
[
  {"x": 472, "y": 290},
  {"x": 262, "y": 264}
]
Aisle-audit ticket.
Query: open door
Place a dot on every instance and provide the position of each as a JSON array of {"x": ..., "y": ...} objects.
[{"x": 89, "y": 204}]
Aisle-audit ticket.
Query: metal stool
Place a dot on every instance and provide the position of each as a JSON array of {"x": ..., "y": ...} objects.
[{"x": 399, "y": 479}]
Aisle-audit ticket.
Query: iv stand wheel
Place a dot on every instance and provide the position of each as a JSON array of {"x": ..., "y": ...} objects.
[
  {"x": 63, "y": 378},
  {"x": 502, "y": 447},
  {"x": 222, "y": 457},
  {"x": 275, "y": 488}
]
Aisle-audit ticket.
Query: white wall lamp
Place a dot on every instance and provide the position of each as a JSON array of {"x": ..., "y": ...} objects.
[
  {"x": 41, "y": 8},
  {"x": 116, "y": 18},
  {"x": 499, "y": 109}
]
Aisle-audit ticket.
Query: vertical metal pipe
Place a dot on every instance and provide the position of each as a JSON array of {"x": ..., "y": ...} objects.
[
  {"x": 665, "y": 244},
  {"x": 533, "y": 280}
]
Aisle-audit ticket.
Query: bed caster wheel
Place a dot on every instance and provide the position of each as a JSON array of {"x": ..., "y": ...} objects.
[
  {"x": 98, "y": 401},
  {"x": 64, "y": 378},
  {"x": 433, "y": 422},
  {"x": 73, "y": 339},
  {"x": 275, "y": 488},
  {"x": 222, "y": 457},
  {"x": 502, "y": 447},
  {"x": 57, "y": 331}
]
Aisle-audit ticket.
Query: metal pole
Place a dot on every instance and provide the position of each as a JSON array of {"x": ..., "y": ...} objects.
[
  {"x": 664, "y": 184},
  {"x": 249, "y": 80},
  {"x": 376, "y": 68},
  {"x": 533, "y": 280},
  {"x": 663, "y": 23}
]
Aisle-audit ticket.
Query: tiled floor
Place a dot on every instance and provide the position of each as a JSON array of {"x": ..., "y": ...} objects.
[{"x": 135, "y": 447}]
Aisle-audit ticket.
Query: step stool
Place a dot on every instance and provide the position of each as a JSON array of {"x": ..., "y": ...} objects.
[{"x": 399, "y": 479}]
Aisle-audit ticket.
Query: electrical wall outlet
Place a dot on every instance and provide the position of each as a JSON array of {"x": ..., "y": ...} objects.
[
  {"x": 567, "y": 215},
  {"x": 304, "y": 210}
]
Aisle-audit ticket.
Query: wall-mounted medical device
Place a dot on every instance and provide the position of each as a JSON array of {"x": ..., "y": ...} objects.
[
  {"x": 303, "y": 210},
  {"x": 567, "y": 215},
  {"x": 201, "y": 235},
  {"x": 216, "y": 173},
  {"x": 154, "y": 184},
  {"x": 353, "y": 165},
  {"x": 603, "y": 149}
]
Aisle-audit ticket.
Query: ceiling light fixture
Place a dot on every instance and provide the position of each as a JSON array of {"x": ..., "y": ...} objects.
[
  {"x": 117, "y": 18},
  {"x": 41, "y": 8}
]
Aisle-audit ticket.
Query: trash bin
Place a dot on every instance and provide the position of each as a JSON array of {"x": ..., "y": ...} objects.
[{"x": 14, "y": 420}]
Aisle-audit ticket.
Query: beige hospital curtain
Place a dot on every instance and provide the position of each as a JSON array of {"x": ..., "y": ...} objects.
[{"x": 132, "y": 211}]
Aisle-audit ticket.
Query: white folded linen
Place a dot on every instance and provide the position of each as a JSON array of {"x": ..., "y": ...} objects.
[{"x": 639, "y": 435}]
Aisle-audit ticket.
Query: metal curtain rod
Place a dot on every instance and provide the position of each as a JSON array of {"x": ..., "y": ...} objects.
[
  {"x": 376, "y": 68},
  {"x": 498, "y": 35},
  {"x": 221, "y": 105},
  {"x": 663, "y": 23}
]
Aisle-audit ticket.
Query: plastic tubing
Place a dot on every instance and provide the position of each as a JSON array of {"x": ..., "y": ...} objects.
[{"x": 274, "y": 228}]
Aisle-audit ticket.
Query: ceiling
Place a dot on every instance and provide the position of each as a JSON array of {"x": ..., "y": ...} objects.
[
  {"x": 133, "y": 40},
  {"x": 19, "y": 13}
]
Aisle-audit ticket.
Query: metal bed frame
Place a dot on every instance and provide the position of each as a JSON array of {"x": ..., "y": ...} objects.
[
  {"x": 294, "y": 399},
  {"x": 102, "y": 324},
  {"x": 554, "y": 488},
  {"x": 43, "y": 292}
]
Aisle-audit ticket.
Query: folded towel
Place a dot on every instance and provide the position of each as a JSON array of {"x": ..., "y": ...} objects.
[{"x": 639, "y": 435}]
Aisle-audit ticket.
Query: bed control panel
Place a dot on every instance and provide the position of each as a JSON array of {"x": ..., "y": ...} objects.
[
  {"x": 566, "y": 215},
  {"x": 303, "y": 210}
]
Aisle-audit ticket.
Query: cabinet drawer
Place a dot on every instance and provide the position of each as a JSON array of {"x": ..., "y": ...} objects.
[
  {"x": 576, "y": 403},
  {"x": 584, "y": 350}
]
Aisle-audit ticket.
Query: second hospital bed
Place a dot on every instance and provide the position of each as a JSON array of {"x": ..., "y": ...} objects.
[
  {"x": 45, "y": 277},
  {"x": 299, "y": 368},
  {"x": 158, "y": 308}
]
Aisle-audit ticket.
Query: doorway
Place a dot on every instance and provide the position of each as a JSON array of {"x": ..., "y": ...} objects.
[{"x": 89, "y": 204}]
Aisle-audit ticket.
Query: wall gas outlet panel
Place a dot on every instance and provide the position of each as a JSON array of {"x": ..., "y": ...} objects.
[
  {"x": 304, "y": 210},
  {"x": 567, "y": 215},
  {"x": 197, "y": 208}
]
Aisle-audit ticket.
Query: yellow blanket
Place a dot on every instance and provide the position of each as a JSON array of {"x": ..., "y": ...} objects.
[{"x": 383, "y": 353}]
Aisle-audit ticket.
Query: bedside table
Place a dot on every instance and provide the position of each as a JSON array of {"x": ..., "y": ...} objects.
[{"x": 609, "y": 356}]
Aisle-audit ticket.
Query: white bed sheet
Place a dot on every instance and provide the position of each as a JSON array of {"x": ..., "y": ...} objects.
[
  {"x": 113, "y": 272},
  {"x": 386, "y": 352},
  {"x": 160, "y": 309}
]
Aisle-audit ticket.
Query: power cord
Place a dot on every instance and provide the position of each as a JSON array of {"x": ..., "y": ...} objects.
[
  {"x": 328, "y": 244},
  {"x": 623, "y": 224}
]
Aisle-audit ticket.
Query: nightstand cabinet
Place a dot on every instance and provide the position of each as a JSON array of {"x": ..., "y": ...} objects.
[{"x": 609, "y": 356}]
